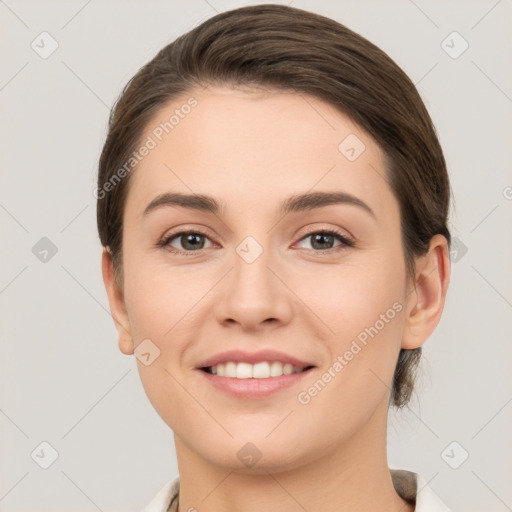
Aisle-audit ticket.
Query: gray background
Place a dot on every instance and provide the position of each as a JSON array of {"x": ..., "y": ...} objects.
[{"x": 62, "y": 377}]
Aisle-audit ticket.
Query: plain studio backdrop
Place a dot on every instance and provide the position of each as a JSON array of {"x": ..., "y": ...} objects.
[{"x": 77, "y": 431}]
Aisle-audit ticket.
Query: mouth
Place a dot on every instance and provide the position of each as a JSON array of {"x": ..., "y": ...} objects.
[
  {"x": 260, "y": 370},
  {"x": 248, "y": 381}
]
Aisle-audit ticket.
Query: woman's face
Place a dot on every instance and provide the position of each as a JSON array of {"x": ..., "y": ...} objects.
[{"x": 263, "y": 275}]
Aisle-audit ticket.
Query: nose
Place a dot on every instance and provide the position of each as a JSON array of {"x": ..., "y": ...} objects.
[{"x": 254, "y": 295}]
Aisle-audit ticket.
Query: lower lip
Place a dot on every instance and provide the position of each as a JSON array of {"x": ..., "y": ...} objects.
[{"x": 254, "y": 388}]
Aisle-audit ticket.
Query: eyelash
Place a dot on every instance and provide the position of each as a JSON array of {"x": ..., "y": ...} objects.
[{"x": 345, "y": 241}]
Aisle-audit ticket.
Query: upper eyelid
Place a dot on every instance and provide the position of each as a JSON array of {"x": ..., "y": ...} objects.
[
  {"x": 204, "y": 231},
  {"x": 171, "y": 236}
]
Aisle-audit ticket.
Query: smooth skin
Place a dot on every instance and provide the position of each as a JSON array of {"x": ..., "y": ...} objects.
[{"x": 251, "y": 150}]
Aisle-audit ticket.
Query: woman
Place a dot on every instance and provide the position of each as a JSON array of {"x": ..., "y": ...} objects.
[{"x": 272, "y": 203}]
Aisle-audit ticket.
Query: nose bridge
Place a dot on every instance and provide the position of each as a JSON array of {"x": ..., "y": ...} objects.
[
  {"x": 253, "y": 294},
  {"x": 251, "y": 280}
]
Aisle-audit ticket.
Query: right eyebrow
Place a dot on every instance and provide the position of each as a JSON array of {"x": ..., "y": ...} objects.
[{"x": 192, "y": 201}]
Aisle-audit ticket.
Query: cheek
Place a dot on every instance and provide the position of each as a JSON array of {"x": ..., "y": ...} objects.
[
  {"x": 160, "y": 305},
  {"x": 160, "y": 300},
  {"x": 361, "y": 307},
  {"x": 165, "y": 306},
  {"x": 352, "y": 296}
]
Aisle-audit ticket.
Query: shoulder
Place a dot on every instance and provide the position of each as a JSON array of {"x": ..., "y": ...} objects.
[
  {"x": 413, "y": 488},
  {"x": 165, "y": 497}
]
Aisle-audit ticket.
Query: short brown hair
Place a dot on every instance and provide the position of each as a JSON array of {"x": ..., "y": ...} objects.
[{"x": 286, "y": 48}]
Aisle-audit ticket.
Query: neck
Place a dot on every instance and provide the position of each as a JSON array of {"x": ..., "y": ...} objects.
[{"x": 351, "y": 477}]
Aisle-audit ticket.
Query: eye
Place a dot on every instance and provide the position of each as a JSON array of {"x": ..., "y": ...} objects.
[
  {"x": 190, "y": 242},
  {"x": 323, "y": 240}
]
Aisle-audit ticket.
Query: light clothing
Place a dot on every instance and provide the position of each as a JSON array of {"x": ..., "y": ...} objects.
[{"x": 410, "y": 486}]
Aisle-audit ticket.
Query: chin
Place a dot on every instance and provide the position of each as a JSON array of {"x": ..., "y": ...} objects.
[
  {"x": 276, "y": 462},
  {"x": 255, "y": 454}
]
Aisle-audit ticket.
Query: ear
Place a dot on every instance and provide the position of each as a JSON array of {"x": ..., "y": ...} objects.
[
  {"x": 426, "y": 299},
  {"x": 117, "y": 305}
]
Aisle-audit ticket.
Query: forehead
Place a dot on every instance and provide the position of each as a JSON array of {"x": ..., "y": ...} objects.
[{"x": 254, "y": 147}]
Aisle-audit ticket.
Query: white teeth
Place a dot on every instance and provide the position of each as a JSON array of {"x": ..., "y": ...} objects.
[
  {"x": 261, "y": 370},
  {"x": 243, "y": 371},
  {"x": 230, "y": 370},
  {"x": 276, "y": 369}
]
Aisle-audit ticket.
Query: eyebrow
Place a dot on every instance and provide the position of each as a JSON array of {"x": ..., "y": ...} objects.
[{"x": 296, "y": 203}]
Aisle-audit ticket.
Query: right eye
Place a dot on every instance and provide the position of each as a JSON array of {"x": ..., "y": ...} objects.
[{"x": 190, "y": 241}]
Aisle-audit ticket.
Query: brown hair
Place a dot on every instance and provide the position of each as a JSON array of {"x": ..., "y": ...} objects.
[{"x": 286, "y": 48}]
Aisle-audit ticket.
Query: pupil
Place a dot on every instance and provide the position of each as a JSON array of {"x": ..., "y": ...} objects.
[
  {"x": 190, "y": 241},
  {"x": 321, "y": 238}
]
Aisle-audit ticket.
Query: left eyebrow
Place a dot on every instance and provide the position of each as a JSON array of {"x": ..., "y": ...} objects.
[
  {"x": 296, "y": 203},
  {"x": 313, "y": 200}
]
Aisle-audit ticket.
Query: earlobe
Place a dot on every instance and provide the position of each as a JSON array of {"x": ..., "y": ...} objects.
[
  {"x": 426, "y": 300},
  {"x": 117, "y": 305}
]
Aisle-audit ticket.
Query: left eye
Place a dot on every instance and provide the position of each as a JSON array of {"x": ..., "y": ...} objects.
[{"x": 321, "y": 239}]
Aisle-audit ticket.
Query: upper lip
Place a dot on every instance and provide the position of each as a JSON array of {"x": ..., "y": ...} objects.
[{"x": 240, "y": 356}]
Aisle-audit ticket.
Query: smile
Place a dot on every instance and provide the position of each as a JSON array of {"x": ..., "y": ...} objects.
[
  {"x": 253, "y": 381},
  {"x": 261, "y": 370}
]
